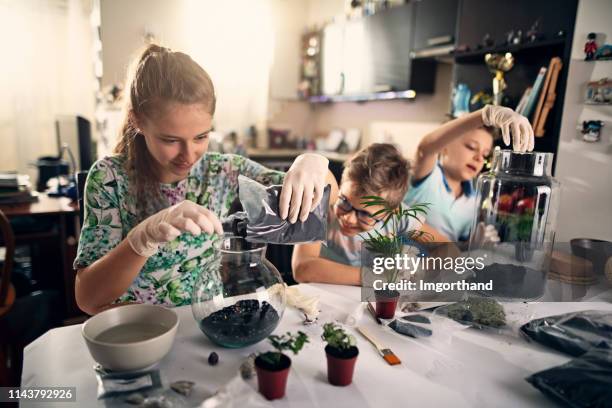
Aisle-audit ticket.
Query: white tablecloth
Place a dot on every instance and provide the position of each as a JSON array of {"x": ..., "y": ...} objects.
[{"x": 458, "y": 368}]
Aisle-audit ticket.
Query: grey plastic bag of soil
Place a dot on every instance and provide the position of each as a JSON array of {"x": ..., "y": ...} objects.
[
  {"x": 264, "y": 224},
  {"x": 585, "y": 381},
  {"x": 572, "y": 333}
]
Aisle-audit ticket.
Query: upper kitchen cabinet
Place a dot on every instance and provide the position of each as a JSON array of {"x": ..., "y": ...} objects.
[
  {"x": 386, "y": 46},
  {"x": 536, "y": 33},
  {"x": 499, "y": 18},
  {"x": 435, "y": 26},
  {"x": 371, "y": 56}
]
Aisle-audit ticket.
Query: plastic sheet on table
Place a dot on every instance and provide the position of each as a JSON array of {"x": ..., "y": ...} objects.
[
  {"x": 572, "y": 333},
  {"x": 236, "y": 393},
  {"x": 585, "y": 381}
]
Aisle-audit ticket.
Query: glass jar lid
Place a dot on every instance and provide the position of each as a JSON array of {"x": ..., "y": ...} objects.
[{"x": 527, "y": 163}]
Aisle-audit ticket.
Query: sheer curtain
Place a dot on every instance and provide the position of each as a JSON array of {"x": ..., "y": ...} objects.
[{"x": 46, "y": 69}]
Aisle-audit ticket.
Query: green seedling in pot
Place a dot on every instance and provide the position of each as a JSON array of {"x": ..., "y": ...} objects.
[
  {"x": 273, "y": 366},
  {"x": 341, "y": 352},
  {"x": 288, "y": 341},
  {"x": 390, "y": 245},
  {"x": 337, "y": 338}
]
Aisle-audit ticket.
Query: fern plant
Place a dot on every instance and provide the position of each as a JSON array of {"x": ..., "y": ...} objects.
[{"x": 390, "y": 245}]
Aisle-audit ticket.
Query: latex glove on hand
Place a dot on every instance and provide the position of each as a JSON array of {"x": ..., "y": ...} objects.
[
  {"x": 510, "y": 122},
  {"x": 484, "y": 235},
  {"x": 303, "y": 187},
  {"x": 171, "y": 222}
]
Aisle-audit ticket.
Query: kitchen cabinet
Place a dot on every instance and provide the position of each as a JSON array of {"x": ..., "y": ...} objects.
[
  {"x": 372, "y": 55},
  {"x": 435, "y": 23},
  {"x": 498, "y": 19}
]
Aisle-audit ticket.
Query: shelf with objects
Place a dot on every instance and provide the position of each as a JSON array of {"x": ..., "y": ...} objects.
[
  {"x": 310, "y": 66},
  {"x": 516, "y": 55},
  {"x": 521, "y": 48},
  {"x": 599, "y": 92}
]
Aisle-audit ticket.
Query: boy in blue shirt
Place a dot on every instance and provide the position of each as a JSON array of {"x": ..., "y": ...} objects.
[{"x": 450, "y": 157}]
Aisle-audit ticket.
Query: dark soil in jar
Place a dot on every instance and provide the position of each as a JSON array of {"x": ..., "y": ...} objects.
[
  {"x": 244, "y": 323},
  {"x": 512, "y": 281}
]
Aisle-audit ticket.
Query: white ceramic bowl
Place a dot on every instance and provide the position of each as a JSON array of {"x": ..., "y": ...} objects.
[{"x": 130, "y": 337}]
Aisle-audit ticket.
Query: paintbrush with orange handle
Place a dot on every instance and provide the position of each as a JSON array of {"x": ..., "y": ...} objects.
[{"x": 386, "y": 353}]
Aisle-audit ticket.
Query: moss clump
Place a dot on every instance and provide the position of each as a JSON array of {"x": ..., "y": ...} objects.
[{"x": 477, "y": 311}]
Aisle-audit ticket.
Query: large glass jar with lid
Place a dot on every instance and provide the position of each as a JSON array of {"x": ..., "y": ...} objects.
[
  {"x": 239, "y": 299},
  {"x": 520, "y": 199}
]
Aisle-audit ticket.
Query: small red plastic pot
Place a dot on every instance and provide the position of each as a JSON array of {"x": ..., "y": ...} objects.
[
  {"x": 386, "y": 303},
  {"x": 272, "y": 380},
  {"x": 340, "y": 366}
]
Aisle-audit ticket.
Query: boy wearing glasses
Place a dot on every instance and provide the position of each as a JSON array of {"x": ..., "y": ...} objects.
[{"x": 379, "y": 170}]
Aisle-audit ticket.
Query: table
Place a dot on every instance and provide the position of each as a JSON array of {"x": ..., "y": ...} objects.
[
  {"x": 455, "y": 367},
  {"x": 64, "y": 214}
]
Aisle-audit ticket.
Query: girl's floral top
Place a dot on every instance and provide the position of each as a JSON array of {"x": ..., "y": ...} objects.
[{"x": 110, "y": 213}]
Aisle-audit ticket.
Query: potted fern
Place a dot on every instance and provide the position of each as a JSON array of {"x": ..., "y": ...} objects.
[
  {"x": 385, "y": 246},
  {"x": 341, "y": 352},
  {"x": 272, "y": 367}
]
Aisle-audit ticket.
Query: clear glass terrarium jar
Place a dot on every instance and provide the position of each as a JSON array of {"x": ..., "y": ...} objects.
[
  {"x": 520, "y": 198},
  {"x": 239, "y": 299}
]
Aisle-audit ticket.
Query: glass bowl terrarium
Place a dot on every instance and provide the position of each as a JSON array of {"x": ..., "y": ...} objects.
[
  {"x": 520, "y": 198},
  {"x": 239, "y": 298}
]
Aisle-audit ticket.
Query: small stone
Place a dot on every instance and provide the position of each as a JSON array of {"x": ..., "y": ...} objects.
[
  {"x": 157, "y": 402},
  {"x": 182, "y": 387},
  {"x": 135, "y": 399},
  {"x": 213, "y": 358},
  {"x": 247, "y": 368},
  {"x": 410, "y": 307}
]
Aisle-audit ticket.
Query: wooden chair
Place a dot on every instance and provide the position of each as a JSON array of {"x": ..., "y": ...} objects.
[
  {"x": 23, "y": 316},
  {"x": 7, "y": 298},
  {"x": 81, "y": 177}
]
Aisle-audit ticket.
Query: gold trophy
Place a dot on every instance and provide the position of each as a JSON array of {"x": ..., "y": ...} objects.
[{"x": 498, "y": 65}]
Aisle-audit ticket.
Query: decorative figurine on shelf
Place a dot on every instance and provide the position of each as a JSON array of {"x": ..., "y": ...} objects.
[
  {"x": 590, "y": 48},
  {"x": 599, "y": 92},
  {"x": 534, "y": 33},
  {"x": 591, "y": 130},
  {"x": 604, "y": 52},
  {"x": 461, "y": 100},
  {"x": 487, "y": 42},
  {"x": 499, "y": 64},
  {"x": 518, "y": 37},
  {"x": 509, "y": 37},
  {"x": 480, "y": 100}
]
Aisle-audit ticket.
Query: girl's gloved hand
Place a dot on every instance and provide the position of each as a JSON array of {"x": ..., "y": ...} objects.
[
  {"x": 303, "y": 186},
  {"x": 510, "y": 122},
  {"x": 169, "y": 223}
]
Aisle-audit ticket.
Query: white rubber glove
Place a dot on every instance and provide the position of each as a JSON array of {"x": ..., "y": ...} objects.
[
  {"x": 303, "y": 187},
  {"x": 484, "y": 235},
  {"x": 169, "y": 223},
  {"x": 510, "y": 122}
]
